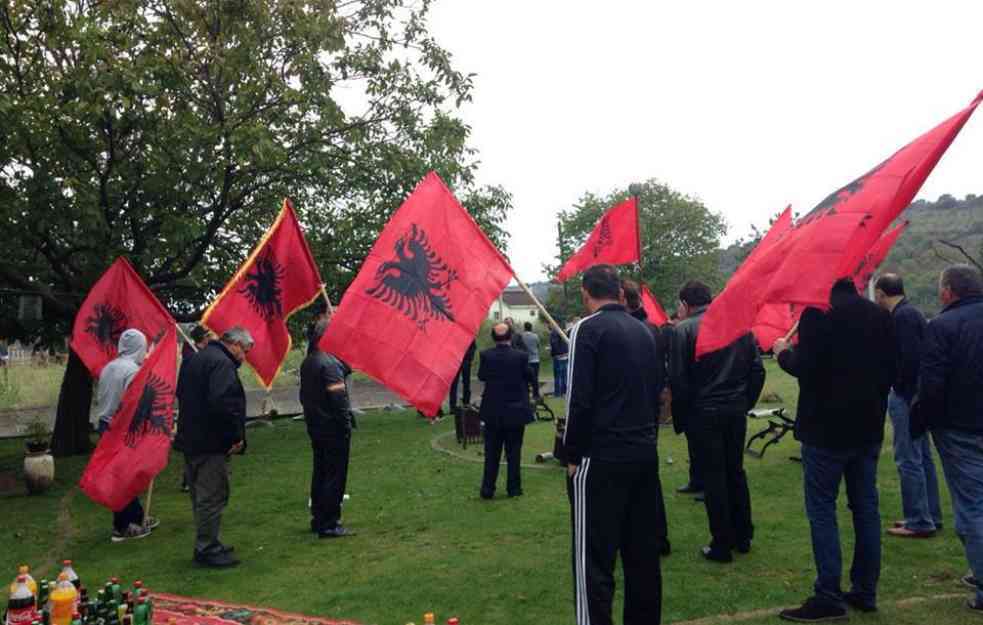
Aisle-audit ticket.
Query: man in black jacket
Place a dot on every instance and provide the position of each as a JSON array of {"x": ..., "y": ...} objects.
[
  {"x": 211, "y": 428},
  {"x": 913, "y": 456},
  {"x": 505, "y": 409},
  {"x": 697, "y": 302},
  {"x": 713, "y": 395},
  {"x": 611, "y": 443},
  {"x": 846, "y": 363},
  {"x": 950, "y": 404},
  {"x": 329, "y": 418}
]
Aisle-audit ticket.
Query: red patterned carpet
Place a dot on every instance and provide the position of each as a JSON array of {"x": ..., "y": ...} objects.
[{"x": 177, "y": 610}]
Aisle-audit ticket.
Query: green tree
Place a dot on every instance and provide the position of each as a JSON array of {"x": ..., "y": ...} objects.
[
  {"x": 680, "y": 240},
  {"x": 170, "y": 130}
]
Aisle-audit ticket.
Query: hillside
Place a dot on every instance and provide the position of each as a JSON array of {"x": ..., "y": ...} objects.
[{"x": 918, "y": 256}]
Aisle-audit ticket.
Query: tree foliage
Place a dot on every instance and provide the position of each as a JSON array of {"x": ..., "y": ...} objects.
[
  {"x": 680, "y": 240},
  {"x": 170, "y": 130}
]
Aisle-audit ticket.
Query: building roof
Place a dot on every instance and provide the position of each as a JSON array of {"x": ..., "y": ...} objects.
[{"x": 517, "y": 297}]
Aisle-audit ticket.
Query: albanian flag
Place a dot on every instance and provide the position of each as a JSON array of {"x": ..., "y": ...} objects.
[
  {"x": 277, "y": 279},
  {"x": 118, "y": 301},
  {"x": 614, "y": 241},
  {"x": 135, "y": 447},
  {"x": 656, "y": 314},
  {"x": 877, "y": 255},
  {"x": 800, "y": 265},
  {"x": 419, "y": 298}
]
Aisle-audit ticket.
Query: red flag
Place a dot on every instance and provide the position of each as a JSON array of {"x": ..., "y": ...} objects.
[
  {"x": 877, "y": 255},
  {"x": 830, "y": 242},
  {"x": 656, "y": 314},
  {"x": 277, "y": 279},
  {"x": 135, "y": 448},
  {"x": 774, "y": 321},
  {"x": 119, "y": 300},
  {"x": 419, "y": 298},
  {"x": 615, "y": 241}
]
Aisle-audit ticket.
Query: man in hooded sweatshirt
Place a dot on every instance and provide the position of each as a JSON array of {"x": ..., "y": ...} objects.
[{"x": 130, "y": 522}]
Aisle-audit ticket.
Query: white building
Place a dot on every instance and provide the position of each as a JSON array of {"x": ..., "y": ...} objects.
[{"x": 515, "y": 303}]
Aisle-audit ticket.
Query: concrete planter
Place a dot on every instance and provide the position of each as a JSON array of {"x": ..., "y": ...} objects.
[{"x": 39, "y": 471}]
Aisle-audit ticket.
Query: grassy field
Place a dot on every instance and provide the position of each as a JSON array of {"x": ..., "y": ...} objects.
[{"x": 427, "y": 542}]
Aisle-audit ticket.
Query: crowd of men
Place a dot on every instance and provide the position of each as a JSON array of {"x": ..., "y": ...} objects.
[{"x": 856, "y": 362}]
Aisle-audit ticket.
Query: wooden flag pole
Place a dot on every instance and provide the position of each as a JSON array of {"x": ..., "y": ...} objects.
[
  {"x": 542, "y": 309},
  {"x": 327, "y": 299},
  {"x": 186, "y": 337},
  {"x": 792, "y": 332}
]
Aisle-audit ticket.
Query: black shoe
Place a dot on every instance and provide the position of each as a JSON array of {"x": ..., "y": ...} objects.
[
  {"x": 717, "y": 556},
  {"x": 228, "y": 548},
  {"x": 968, "y": 581},
  {"x": 974, "y": 605},
  {"x": 218, "y": 560},
  {"x": 744, "y": 547},
  {"x": 855, "y": 601},
  {"x": 700, "y": 498},
  {"x": 665, "y": 548},
  {"x": 689, "y": 489},
  {"x": 338, "y": 531},
  {"x": 486, "y": 496},
  {"x": 814, "y": 611},
  {"x": 517, "y": 493}
]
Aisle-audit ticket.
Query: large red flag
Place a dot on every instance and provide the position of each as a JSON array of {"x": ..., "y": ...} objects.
[
  {"x": 118, "y": 301},
  {"x": 877, "y": 255},
  {"x": 614, "y": 241},
  {"x": 830, "y": 242},
  {"x": 135, "y": 448},
  {"x": 277, "y": 279},
  {"x": 656, "y": 314},
  {"x": 419, "y": 298}
]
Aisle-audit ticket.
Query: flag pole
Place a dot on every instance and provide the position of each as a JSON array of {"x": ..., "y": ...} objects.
[
  {"x": 792, "y": 332},
  {"x": 327, "y": 299},
  {"x": 185, "y": 337},
  {"x": 542, "y": 309}
]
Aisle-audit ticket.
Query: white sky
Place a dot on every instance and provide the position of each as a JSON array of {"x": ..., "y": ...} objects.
[{"x": 747, "y": 105}]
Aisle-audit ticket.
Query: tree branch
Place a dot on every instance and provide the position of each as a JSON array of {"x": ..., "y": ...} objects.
[{"x": 969, "y": 258}]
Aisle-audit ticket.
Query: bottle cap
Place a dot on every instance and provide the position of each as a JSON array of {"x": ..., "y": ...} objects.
[
  {"x": 114, "y": 580},
  {"x": 24, "y": 569},
  {"x": 137, "y": 584},
  {"x": 22, "y": 579},
  {"x": 453, "y": 621}
]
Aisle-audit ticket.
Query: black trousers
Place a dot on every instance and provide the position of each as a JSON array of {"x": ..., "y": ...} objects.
[
  {"x": 695, "y": 462},
  {"x": 534, "y": 385},
  {"x": 132, "y": 513},
  {"x": 329, "y": 477},
  {"x": 614, "y": 509},
  {"x": 464, "y": 377},
  {"x": 495, "y": 439},
  {"x": 720, "y": 445}
]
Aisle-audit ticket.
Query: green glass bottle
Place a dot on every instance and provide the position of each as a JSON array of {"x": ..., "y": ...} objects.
[
  {"x": 117, "y": 590},
  {"x": 141, "y": 615}
]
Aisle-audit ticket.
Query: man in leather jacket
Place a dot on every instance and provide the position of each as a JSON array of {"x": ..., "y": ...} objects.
[{"x": 711, "y": 397}]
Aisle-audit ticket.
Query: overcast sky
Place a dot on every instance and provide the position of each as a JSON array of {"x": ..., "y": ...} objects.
[{"x": 747, "y": 105}]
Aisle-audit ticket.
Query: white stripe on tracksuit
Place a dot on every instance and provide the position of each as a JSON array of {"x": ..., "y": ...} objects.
[
  {"x": 573, "y": 353},
  {"x": 580, "y": 541}
]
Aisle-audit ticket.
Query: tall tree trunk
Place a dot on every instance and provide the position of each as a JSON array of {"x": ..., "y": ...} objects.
[{"x": 71, "y": 436}]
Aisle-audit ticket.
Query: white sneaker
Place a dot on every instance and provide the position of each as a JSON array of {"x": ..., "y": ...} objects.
[{"x": 133, "y": 532}]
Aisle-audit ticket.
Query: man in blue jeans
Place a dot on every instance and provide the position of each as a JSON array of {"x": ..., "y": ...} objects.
[
  {"x": 560, "y": 352},
  {"x": 950, "y": 404},
  {"x": 913, "y": 456},
  {"x": 845, "y": 362}
]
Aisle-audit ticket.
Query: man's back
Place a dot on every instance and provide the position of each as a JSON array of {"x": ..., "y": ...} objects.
[
  {"x": 326, "y": 413},
  {"x": 531, "y": 341},
  {"x": 505, "y": 400},
  {"x": 616, "y": 380},
  {"x": 212, "y": 402},
  {"x": 951, "y": 384},
  {"x": 846, "y": 363}
]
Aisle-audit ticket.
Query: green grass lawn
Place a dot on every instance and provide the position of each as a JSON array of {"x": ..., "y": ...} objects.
[{"x": 427, "y": 542}]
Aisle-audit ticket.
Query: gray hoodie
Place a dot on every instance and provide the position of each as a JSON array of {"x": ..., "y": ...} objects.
[{"x": 118, "y": 374}]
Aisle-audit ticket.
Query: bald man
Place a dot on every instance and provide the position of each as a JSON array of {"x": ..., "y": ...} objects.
[{"x": 505, "y": 408}]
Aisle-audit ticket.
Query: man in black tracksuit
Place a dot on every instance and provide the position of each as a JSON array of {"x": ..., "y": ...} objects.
[
  {"x": 329, "y": 418},
  {"x": 715, "y": 394},
  {"x": 611, "y": 442}
]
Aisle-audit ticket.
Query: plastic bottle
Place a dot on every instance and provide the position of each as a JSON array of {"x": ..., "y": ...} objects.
[
  {"x": 64, "y": 599},
  {"x": 31, "y": 584},
  {"x": 42, "y": 593},
  {"x": 76, "y": 619},
  {"x": 453, "y": 621},
  {"x": 72, "y": 576},
  {"x": 21, "y": 604},
  {"x": 428, "y": 618},
  {"x": 142, "y": 612},
  {"x": 117, "y": 589}
]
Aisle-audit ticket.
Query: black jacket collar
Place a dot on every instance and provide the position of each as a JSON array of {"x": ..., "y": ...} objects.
[
  {"x": 228, "y": 354},
  {"x": 966, "y": 301}
]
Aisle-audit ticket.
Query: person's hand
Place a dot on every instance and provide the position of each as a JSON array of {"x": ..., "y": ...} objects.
[
  {"x": 780, "y": 346},
  {"x": 236, "y": 448},
  {"x": 571, "y": 469}
]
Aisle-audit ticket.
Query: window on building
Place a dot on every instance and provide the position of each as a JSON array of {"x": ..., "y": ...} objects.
[
  {"x": 496, "y": 315},
  {"x": 532, "y": 313}
]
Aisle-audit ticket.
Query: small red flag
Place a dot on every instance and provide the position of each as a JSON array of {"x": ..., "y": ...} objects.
[
  {"x": 118, "y": 301},
  {"x": 419, "y": 298},
  {"x": 135, "y": 447},
  {"x": 830, "y": 242},
  {"x": 656, "y": 314},
  {"x": 877, "y": 255},
  {"x": 279, "y": 278},
  {"x": 614, "y": 241}
]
